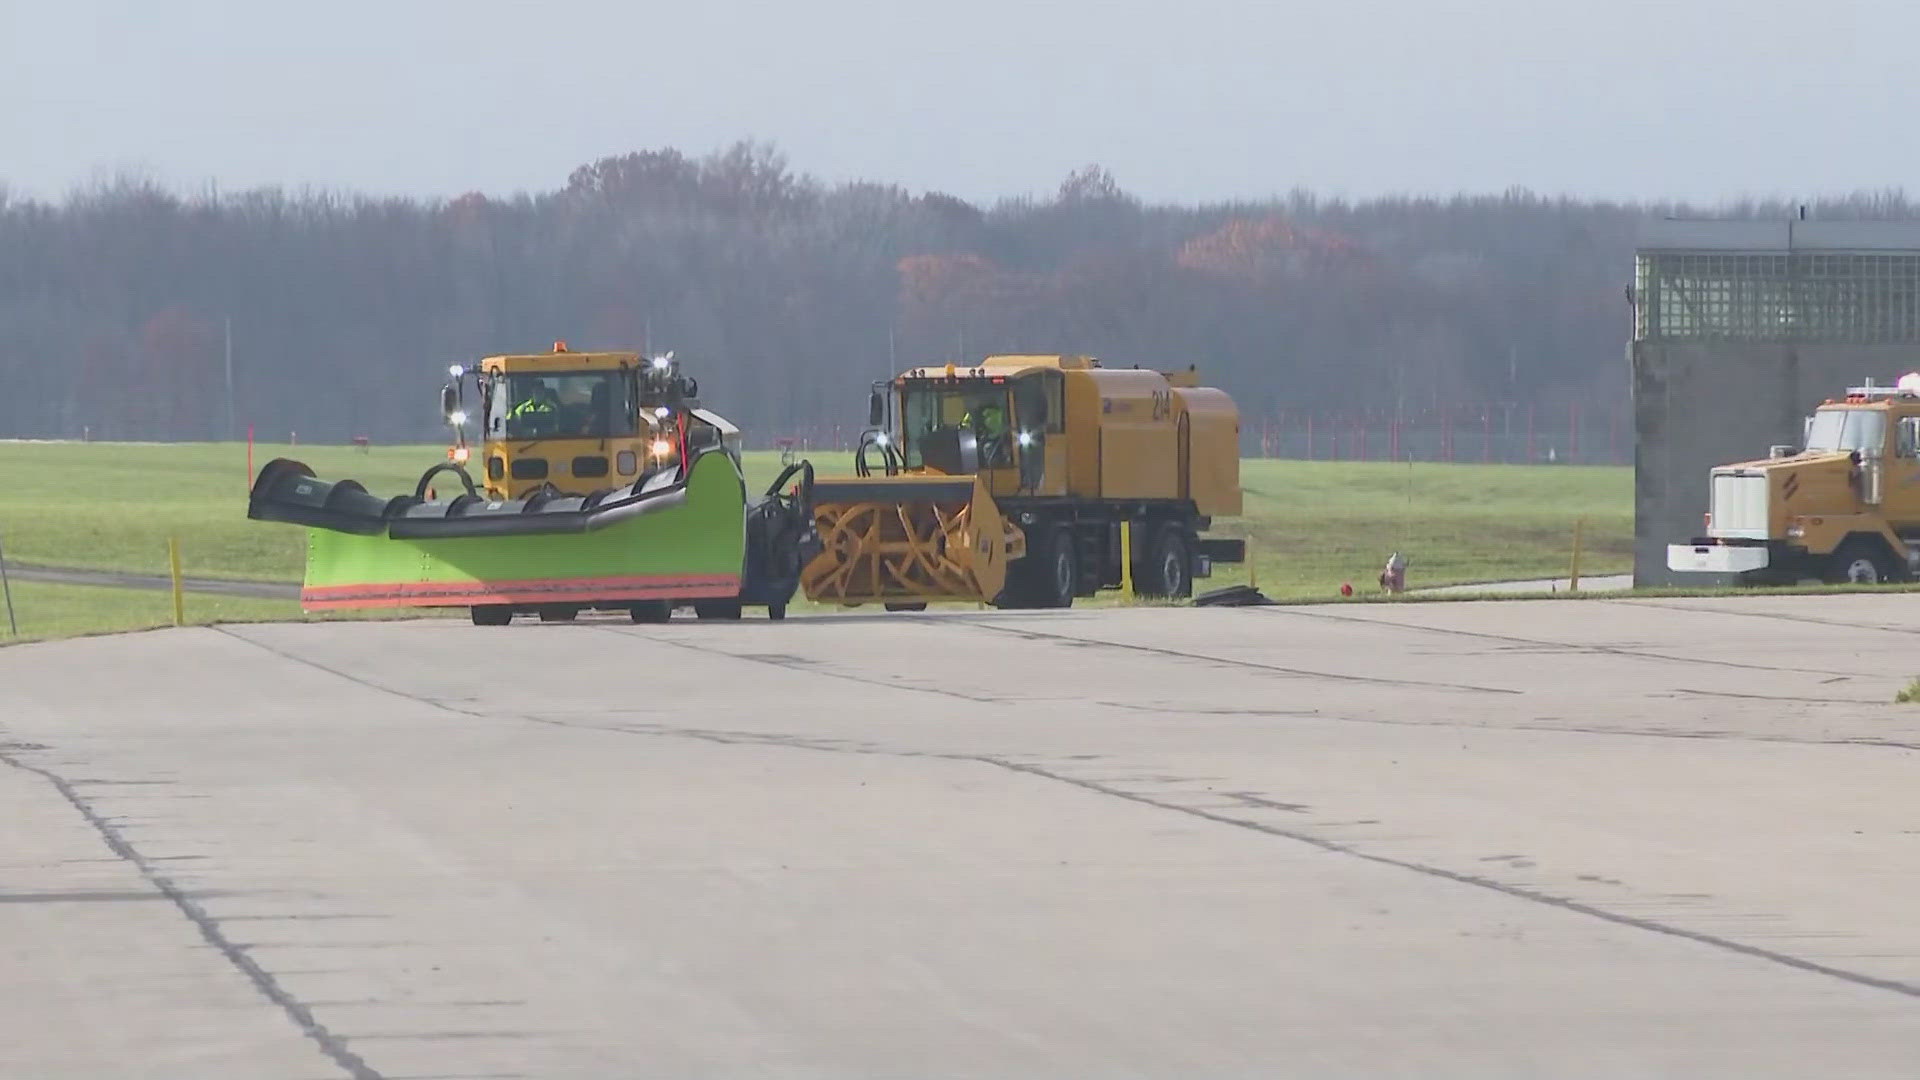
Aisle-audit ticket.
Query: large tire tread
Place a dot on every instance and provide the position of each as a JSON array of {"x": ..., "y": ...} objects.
[
  {"x": 1172, "y": 563},
  {"x": 1849, "y": 561},
  {"x": 650, "y": 611},
  {"x": 717, "y": 609},
  {"x": 491, "y": 614},
  {"x": 1032, "y": 579}
]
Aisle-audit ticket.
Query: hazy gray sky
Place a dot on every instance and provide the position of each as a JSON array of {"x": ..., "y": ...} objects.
[{"x": 1181, "y": 99}]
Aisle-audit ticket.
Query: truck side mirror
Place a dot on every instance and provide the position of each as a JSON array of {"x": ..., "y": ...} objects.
[
  {"x": 449, "y": 401},
  {"x": 876, "y": 409}
]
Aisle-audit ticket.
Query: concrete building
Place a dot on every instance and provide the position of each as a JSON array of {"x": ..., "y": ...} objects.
[{"x": 1740, "y": 328}]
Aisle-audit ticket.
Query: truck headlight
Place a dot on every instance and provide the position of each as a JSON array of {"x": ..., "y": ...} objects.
[{"x": 1795, "y": 530}]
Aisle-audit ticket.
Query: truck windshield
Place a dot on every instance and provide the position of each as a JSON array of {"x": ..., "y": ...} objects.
[
  {"x": 568, "y": 404},
  {"x": 1864, "y": 430},
  {"x": 979, "y": 409}
]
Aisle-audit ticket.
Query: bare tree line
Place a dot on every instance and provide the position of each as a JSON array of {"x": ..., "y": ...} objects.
[{"x": 787, "y": 295}]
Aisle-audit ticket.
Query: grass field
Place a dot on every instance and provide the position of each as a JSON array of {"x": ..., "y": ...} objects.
[{"x": 1312, "y": 525}]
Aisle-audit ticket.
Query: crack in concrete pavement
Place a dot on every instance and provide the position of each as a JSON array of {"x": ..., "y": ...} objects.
[
  {"x": 1880, "y": 627},
  {"x": 1305, "y": 673},
  {"x": 262, "y": 980},
  {"x": 1516, "y": 892},
  {"x": 800, "y": 664},
  {"x": 1571, "y": 647}
]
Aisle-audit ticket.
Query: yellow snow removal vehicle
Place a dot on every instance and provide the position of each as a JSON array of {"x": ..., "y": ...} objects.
[
  {"x": 1009, "y": 482},
  {"x": 1843, "y": 507},
  {"x": 605, "y": 485}
]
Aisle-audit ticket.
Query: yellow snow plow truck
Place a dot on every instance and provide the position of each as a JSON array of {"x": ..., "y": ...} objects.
[
  {"x": 1842, "y": 507},
  {"x": 1021, "y": 481},
  {"x": 604, "y": 485}
]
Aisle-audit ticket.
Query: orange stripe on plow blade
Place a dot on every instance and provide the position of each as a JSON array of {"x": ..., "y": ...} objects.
[{"x": 535, "y": 591}]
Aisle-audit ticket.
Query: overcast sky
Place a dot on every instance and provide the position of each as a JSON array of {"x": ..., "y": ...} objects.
[{"x": 1182, "y": 99}]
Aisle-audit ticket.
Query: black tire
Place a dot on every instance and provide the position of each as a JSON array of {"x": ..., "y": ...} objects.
[
  {"x": 650, "y": 611},
  {"x": 1059, "y": 571},
  {"x": 776, "y": 612},
  {"x": 1168, "y": 570},
  {"x": 912, "y": 605},
  {"x": 491, "y": 614},
  {"x": 716, "y": 609},
  {"x": 1862, "y": 561},
  {"x": 558, "y": 613},
  {"x": 1047, "y": 576}
]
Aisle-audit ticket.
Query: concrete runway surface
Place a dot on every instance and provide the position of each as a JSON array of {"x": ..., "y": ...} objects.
[{"x": 1554, "y": 838}]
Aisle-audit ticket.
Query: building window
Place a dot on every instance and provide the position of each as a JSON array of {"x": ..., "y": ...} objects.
[{"x": 1834, "y": 297}]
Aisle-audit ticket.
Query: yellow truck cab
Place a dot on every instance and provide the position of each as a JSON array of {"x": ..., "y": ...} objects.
[
  {"x": 578, "y": 422},
  {"x": 1844, "y": 506}
]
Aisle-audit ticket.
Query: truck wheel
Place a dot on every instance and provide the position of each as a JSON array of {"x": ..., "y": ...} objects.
[
  {"x": 716, "y": 609},
  {"x": 1169, "y": 568},
  {"x": 491, "y": 614},
  {"x": 1047, "y": 576},
  {"x": 650, "y": 611},
  {"x": 1861, "y": 562},
  {"x": 1059, "y": 572},
  {"x": 776, "y": 611},
  {"x": 915, "y": 605},
  {"x": 558, "y": 613}
]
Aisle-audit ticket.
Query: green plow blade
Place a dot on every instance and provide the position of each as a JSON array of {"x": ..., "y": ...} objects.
[{"x": 692, "y": 547}]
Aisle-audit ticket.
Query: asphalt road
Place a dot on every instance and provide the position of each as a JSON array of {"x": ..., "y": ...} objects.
[
  {"x": 62, "y": 575},
  {"x": 1570, "y": 839}
]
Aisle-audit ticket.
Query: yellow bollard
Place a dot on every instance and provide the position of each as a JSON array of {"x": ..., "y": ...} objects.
[
  {"x": 179, "y": 600},
  {"x": 1126, "y": 561},
  {"x": 1573, "y": 571}
]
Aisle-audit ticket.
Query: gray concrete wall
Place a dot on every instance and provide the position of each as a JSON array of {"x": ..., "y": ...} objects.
[{"x": 1698, "y": 404}]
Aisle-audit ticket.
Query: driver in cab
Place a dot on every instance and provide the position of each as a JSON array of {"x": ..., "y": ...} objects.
[
  {"x": 989, "y": 425},
  {"x": 540, "y": 410}
]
